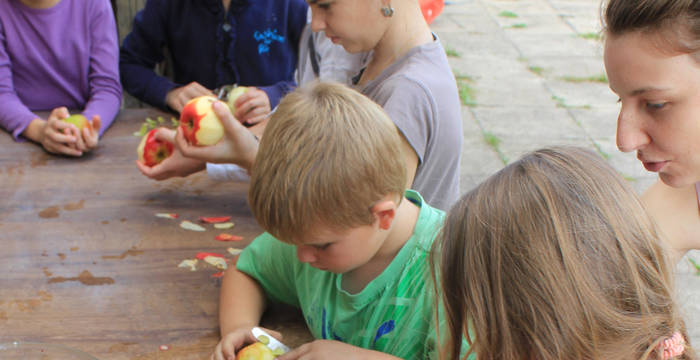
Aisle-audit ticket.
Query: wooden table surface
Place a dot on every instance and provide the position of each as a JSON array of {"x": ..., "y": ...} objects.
[{"x": 84, "y": 261}]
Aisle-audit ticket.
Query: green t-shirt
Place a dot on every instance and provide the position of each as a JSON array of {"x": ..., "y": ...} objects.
[{"x": 393, "y": 314}]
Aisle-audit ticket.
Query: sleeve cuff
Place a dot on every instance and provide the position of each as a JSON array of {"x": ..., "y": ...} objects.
[{"x": 227, "y": 172}]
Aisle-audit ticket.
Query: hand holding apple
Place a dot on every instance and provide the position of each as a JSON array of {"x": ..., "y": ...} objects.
[
  {"x": 153, "y": 151},
  {"x": 199, "y": 123},
  {"x": 256, "y": 351},
  {"x": 234, "y": 342},
  {"x": 179, "y": 96},
  {"x": 251, "y": 106},
  {"x": 174, "y": 165},
  {"x": 239, "y": 146}
]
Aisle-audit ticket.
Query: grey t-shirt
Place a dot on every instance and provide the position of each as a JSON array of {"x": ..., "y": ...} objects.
[{"x": 419, "y": 93}]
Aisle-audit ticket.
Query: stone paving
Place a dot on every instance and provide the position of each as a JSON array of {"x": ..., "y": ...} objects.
[{"x": 531, "y": 74}]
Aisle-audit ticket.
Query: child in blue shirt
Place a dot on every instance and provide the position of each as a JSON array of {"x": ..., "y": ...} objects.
[{"x": 214, "y": 43}]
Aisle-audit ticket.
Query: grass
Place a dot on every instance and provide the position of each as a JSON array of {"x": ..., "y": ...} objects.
[
  {"x": 590, "y": 35},
  {"x": 507, "y": 14},
  {"x": 518, "y": 26},
  {"x": 595, "y": 78},
  {"x": 495, "y": 143},
  {"x": 695, "y": 265},
  {"x": 452, "y": 52},
  {"x": 466, "y": 93},
  {"x": 606, "y": 156},
  {"x": 536, "y": 69}
]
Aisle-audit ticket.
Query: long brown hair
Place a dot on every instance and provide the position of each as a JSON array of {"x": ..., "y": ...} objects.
[
  {"x": 554, "y": 257},
  {"x": 677, "y": 21}
]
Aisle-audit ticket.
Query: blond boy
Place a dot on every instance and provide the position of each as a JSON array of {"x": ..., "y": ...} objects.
[{"x": 345, "y": 241}]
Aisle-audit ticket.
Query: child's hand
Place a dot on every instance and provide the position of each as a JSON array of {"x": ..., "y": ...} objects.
[
  {"x": 236, "y": 340},
  {"x": 238, "y": 146},
  {"x": 58, "y": 136},
  {"x": 331, "y": 349},
  {"x": 252, "y": 107},
  {"x": 89, "y": 137},
  {"x": 179, "y": 96},
  {"x": 173, "y": 165}
]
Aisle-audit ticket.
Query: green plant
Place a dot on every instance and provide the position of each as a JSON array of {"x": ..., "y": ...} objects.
[
  {"x": 590, "y": 35},
  {"x": 536, "y": 69},
  {"x": 695, "y": 265},
  {"x": 149, "y": 124},
  {"x": 495, "y": 143},
  {"x": 452, "y": 52},
  {"x": 466, "y": 92},
  {"x": 601, "y": 78},
  {"x": 518, "y": 26},
  {"x": 507, "y": 14}
]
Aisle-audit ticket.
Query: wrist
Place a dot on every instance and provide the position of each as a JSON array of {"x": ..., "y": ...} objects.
[{"x": 35, "y": 130}]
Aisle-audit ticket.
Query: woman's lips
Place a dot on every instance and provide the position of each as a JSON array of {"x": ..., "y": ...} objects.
[{"x": 654, "y": 166}]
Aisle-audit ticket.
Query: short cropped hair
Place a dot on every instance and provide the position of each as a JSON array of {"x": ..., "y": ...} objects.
[{"x": 329, "y": 153}]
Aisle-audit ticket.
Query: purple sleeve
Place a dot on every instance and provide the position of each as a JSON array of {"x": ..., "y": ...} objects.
[
  {"x": 103, "y": 76},
  {"x": 14, "y": 115}
]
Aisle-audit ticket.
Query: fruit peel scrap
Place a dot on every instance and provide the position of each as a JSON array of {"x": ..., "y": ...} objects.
[
  {"x": 234, "y": 251},
  {"x": 188, "y": 225},
  {"x": 217, "y": 262},
  {"x": 189, "y": 264},
  {"x": 167, "y": 215},
  {"x": 228, "y": 237},
  {"x": 214, "y": 219},
  {"x": 224, "y": 225},
  {"x": 218, "y": 274}
]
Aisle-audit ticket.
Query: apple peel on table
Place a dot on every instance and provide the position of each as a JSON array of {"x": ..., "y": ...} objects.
[
  {"x": 199, "y": 123},
  {"x": 153, "y": 151},
  {"x": 214, "y": 219},
  {"x": 167, "y": 215},
  {"x": 227, "y": 237},
  {"x": 188, "y": 225},
  {"x": 223, "y": 226}
]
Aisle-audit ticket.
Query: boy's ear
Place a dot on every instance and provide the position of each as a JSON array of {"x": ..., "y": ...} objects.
[{"x": 384, "y": 211}]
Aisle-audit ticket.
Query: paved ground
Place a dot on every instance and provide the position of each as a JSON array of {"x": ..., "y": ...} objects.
[{"x": 531, "y": 74}]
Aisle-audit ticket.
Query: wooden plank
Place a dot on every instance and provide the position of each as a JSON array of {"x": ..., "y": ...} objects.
[{"x": 85, "y": 262}]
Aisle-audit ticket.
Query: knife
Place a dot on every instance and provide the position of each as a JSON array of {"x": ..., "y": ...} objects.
[{"x": 275, "y": 345}]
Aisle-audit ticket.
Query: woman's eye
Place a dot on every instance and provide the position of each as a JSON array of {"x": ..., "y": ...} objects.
[
  {"x": 322, "y": 247},
  {"x": 656, "y": 106}
]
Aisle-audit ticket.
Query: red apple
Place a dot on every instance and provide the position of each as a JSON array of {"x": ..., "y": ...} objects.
[
  {"x": 199, "y": 123},
  {"x": 152, "y": 151},
  {"x": 256, "y": 351}
]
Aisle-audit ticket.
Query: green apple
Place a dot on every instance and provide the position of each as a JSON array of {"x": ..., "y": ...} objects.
[
  {"x": 152, "y": 151},
  {"x": 233, "y": 95},
  {"x": 78, "y": 120},
  {"x": 199, "y": 123}
]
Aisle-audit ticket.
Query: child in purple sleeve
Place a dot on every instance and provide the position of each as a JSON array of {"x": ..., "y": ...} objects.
[{"x": 57, "y": 55}]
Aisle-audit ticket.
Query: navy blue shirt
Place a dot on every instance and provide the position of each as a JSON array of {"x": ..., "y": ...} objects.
[{"x": 255, "y": 43}]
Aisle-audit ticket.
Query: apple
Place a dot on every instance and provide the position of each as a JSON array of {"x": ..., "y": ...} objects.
[
  {"x": 78, "y": 120},
  {"x": 233, "y": 95},
  {"x": 256, "y": 351},
  {"x": 199, "y": 123},
  {"x": 152, "y": 151}
]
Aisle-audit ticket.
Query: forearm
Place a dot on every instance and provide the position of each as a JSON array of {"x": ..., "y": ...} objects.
[{"x": 241, "y": 301}]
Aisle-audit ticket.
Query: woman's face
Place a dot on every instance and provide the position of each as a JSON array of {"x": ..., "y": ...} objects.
[
  {"x": 659, "y": 92},
  {"x": 357, "y": 25}
]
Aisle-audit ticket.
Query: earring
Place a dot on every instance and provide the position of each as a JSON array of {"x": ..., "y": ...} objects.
[{"x": 388, "y": 11}]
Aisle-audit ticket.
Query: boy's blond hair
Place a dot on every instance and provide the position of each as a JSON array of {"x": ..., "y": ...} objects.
[{"x": 328, "y": 154}]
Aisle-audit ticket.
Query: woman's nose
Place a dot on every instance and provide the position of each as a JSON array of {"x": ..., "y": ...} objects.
[{"x": 630, "y": 131}]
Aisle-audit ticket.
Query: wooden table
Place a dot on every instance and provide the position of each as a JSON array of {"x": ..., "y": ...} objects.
[{"x": 85, "y": 263}]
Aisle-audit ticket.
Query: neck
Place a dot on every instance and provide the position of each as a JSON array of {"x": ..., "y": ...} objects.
[
  {"x": 407, "y": 30},
  {"x": 401, "y": 230},
  {"x": 40, "y": 4}
]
